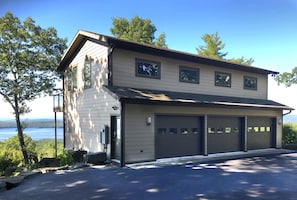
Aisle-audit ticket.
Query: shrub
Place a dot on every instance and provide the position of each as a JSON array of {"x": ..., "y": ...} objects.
[
  {"x": 46, "y": 148},
  {"x": 11, "y": 149},
  {"x": 5, "y": 163},
  {"x": 66, "y": 158},
  {"x": 289, "y": 133}
]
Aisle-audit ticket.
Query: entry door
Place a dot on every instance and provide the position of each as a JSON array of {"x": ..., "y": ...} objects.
[
  {"x": 115, "y": 138},
  {"x": 178, "y": 136}
]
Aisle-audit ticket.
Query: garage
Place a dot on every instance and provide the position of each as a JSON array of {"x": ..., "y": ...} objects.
[
  {"x": 224, "y": 134},
  {"x": 261, "y": 132},
  {"x": 178, "y": 135}
]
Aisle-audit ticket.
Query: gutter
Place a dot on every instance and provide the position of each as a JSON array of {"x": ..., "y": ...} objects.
[{"x": 287, "y": 113}]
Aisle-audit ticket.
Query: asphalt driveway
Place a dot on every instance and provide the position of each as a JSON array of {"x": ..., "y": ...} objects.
[{"x": 266, "y": 177}]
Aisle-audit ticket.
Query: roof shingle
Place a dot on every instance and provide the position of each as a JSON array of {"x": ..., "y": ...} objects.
[{"x": 146, "y": 95}]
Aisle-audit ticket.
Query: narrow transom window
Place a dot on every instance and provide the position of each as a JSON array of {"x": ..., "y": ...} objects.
[
  {"x": 69, "y": 79},
  {"x": 74, "y": 77},
  {"x": 222, "y": 79},
  {"x": 87, "y": 73},
  {"x": 189, "y": 75},
  {"x": 146, "y": 68},
  {"x": 250, "y": 83}
]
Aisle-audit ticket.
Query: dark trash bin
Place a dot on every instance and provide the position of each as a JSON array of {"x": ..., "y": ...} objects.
[
  {"x": 96, "y": 158},
  {"x": 78, "y": 156}
]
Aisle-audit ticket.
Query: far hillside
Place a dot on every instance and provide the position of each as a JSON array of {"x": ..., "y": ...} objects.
[
  {"x": 290, "y": 118},
  {"x": 32, "y": 123}
]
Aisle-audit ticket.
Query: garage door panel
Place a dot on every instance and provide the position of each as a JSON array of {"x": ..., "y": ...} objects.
[
  {"x": 224, "y": 134},
  {"x": 177, "y": 136},
  {"x": 260, "y": 132}
]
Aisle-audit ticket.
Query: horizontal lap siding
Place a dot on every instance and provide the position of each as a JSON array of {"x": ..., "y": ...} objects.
[
  {"x": 124, "y": 73},
  {"x": 88, "y": 110},
  {"x": 139, "y": 136}
]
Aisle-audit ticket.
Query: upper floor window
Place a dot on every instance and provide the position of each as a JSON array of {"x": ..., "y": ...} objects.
[
  {"x": 72, "y": 78},
  {"x": 150, "y": 69},
  {"x": 69, "y": 79},
  {"x": 249, "y": 83},
  {"x": 189, "y": 75},
  {"x": 87, "y": 73},
  {"x": 222, "y": 79}
]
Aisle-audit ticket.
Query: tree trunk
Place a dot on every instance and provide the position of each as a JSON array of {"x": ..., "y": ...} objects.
[{"x": 20, "y": 132}]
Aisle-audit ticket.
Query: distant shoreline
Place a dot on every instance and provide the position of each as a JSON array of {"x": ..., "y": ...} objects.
[{"x": 32, "y": 123}]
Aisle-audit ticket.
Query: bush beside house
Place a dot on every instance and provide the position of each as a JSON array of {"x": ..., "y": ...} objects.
[{"x": 290, "y": 136}]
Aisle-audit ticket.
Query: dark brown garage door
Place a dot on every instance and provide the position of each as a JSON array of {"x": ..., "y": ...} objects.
[
  {"x": 178, "y": 136},
  {"x": 261, "y": 132},
  {"x": 224, "y": 134}
]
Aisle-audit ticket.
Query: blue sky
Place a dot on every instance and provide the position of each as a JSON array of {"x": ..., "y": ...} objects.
[{"x": 265, "y": 30}]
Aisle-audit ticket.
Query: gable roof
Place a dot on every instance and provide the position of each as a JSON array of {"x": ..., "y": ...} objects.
[
  {"x": 136, "y": 95},
  {"x": 82, "y": 36}
]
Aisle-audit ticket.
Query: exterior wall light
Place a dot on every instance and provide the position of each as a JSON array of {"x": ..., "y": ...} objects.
[{"x": 148, "y": 121}]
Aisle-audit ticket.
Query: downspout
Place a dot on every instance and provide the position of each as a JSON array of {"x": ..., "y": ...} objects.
[
  {"x": 123, "y": 160},
  {"x": 109, "y": 65}
]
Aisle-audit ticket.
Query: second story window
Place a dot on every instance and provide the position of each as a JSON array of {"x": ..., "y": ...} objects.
[
  {"x": 74, "y": 77},
  {"x": 222, "y": 79},
  {"x": 189, "y": 75},
  {"x": 87, "y": 73},
  {"x": 249, "y": 83},
  {"x": 69, "y": 79},
  {"x": 146, "y": 68}
]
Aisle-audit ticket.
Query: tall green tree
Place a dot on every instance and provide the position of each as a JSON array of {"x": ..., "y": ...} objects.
[
  {"x": 242, "y": 60},
  {"x": 213, "y": 48},
  {"x": 29, "y": 55},
  {"x": 287, "y": 78},
  {"x": 138, "y": 30}
]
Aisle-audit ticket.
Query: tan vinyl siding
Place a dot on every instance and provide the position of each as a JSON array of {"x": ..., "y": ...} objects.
[
  {"x": 140, "y": 138},
  {"x": 124, "y": 75},
  {"x": 88, "y": 110}
]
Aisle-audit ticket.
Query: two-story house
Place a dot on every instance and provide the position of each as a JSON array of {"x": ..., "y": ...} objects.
[{"x": 140, "y": 103}]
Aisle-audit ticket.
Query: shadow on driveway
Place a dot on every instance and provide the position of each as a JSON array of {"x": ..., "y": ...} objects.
[{"x": 265, "y": 177}]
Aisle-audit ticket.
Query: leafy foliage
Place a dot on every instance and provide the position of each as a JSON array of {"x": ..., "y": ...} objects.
[
  {"x": 213, "y": 46},
  {"x": 66, "y": 158},
  {"x": 28, "y": 58},
  {"x": 287, "y": 78},
  {"x": 213, "y": 49},
  {"x": 46, "y": 148},
  {"x": 11, "y": 154},
  {"x": 11, "y": 150},
  {"x": 242, "y": 60},
  {"x": 290, "y": 133},
  {"x": 5, "y": 162},
  {"x": 138, "y": 30}
]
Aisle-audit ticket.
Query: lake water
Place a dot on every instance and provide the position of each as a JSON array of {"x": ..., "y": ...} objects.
[{"x": 34, "y": 133}]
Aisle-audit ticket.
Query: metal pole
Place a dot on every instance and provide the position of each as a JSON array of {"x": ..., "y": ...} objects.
[{"x": 56, "y": 153}]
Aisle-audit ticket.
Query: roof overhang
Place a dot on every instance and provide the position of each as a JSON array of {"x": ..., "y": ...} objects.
[
  {"x": 145, "y": 96},
  {"x": 82, "y": 36}
]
